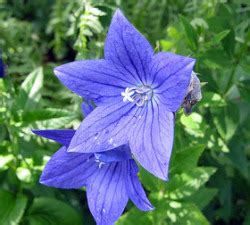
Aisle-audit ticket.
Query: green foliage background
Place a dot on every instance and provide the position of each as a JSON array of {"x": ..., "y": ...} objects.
[{"x": 210, "y": 168}]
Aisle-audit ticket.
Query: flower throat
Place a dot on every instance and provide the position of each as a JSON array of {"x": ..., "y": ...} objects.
[{"x": 140, "y": 94}]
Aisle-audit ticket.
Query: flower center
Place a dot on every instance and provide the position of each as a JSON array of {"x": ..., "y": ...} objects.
[{"x": 140, "y": 94}]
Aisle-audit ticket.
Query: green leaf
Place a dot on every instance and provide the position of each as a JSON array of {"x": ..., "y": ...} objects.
[
  {"x": 49, "y": 118},
  {"x": 30, "y": 91},
  {"x": 244, "y": 88},
  {"x": 24, "y": 174},
  {"x": 4, "y": 161},
  {"x": 45, "y": 114},
  {"x": 184, "y": 185},
  {"x": 185, "y": 213},
  {"x": 151, "y": 182},
  {"x": 203, "y": 196},
  {"x": 186, "y": 159},
  {"x": 135, "y": 216},
  {"x": 193, "y": 124},
  {"x": 226, "y": 120},
  {"x": 211, "y": 99},
  {"x": 220, "y": 36},
  {"x": 190, "y": 33},
  {"x": 52, "y": 212},
  {"x": 238, "y": 156},
  {"x": 12, "y": 208}
]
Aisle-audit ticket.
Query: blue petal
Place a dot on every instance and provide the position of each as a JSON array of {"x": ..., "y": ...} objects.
[
  {"x": 170, "y": 77},
  {"x": 68, "y": 170},
  {"x": 87, "y": 107},
  {"x": 127, "y": 48},
  {"x": 105, "y": 128},
  {"x": 134, "y": 188},
  {"x": 151, "y": 140},
  {"x": 1, "y": 68},
  {"x": 120, "y": 153},
  {"x": 106, "y": 193},
  {"x": 61, "y": 136},
  {"x": 97, "y": 80}
]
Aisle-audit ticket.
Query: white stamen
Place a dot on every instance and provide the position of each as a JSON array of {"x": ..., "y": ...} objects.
[
  {"x": 101, "y": 164},
  {"x": 140, "y": 94},
  {"x": 127, "y": 95}
]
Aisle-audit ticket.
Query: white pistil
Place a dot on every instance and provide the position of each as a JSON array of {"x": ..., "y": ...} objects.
[
  {"x": 127, "y": 95},
  {"x": 140, "y": 94}
]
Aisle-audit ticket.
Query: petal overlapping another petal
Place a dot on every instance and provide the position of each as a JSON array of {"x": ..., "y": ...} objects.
[
  {"x": 61, "y": 136},
  {"x": 134, "y": 188},
  {"x": 127, "y": 48},
  {"x": 106, "y": 193},
  {"x": 110, "y": 177},
  {"x": 170, "y": 77},
  {"x": 68, "y": 170},
  {"x": 107, "y": 127},
  {"x": 118, "y": 154},
  {"x": 151, "y": 140},
  {"x": 87, "y": 107},
  {"x": 97, "y": 80}
]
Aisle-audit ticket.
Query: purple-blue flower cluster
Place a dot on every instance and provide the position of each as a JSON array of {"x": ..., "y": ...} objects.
[{"x": 136, "y": 93}]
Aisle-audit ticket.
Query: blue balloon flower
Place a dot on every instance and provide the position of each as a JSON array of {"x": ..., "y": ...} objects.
[
  {"x": 110, "y": 177},
  {"x": 137, "y": 94}
]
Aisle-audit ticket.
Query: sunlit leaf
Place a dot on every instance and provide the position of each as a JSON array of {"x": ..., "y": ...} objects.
[
  {"x": 185, "y": 214},
  {"x": 187, "y": 183},
  {"x": 186, "y": 159},
  {"x": 30, "y": 91}
]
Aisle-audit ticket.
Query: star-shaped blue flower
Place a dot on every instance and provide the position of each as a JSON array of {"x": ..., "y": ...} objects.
[
  {"x": 136, "y": 92},
  {"x": 110, "y": 177}
]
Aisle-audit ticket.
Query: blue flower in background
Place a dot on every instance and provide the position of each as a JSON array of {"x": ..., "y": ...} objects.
[
  {"x": 110, "y": 177},
  {"x": 136, "y": 92},
  {"x": 1, "y": 68}
]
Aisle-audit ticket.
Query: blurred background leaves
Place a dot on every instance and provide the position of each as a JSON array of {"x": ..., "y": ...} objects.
[{"x": 209, "y": 179}]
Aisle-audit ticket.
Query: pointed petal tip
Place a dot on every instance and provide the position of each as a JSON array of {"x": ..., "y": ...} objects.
[
  {"x": 118, "y": 12},
  {"x": 150, "y": 208},
  {"x": 159, "y": 174},
  {"x": 47, "y": 182},
  {"x": 38, "y": 132},
  {"x": 119, "y": 16},
  {"x": 44, "y": 178},
  {"x": 74, "y": 149},
  {"x": 43, "y": 181},
  {"x": 193, "y": 61},
  {"x": 34, "y": 131},
  {"x": 163, "y": 177},
  {"x": 57, "y": 72},
  {"x": 71, "y": 150}
]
